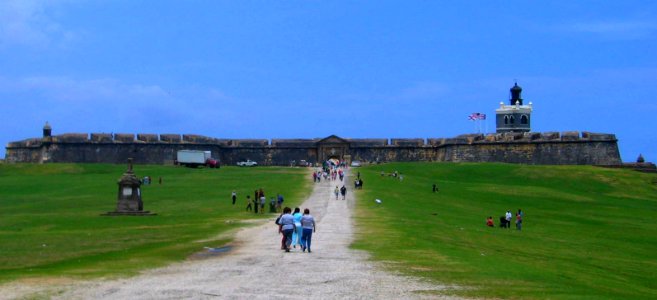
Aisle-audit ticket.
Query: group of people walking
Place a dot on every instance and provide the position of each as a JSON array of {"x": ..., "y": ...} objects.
[
  {"x": 505, "y": 220},
  {"x": 257, "y": 204},
  {"x": 297, "y": 229},
  {"x": 331, "y": 174}
]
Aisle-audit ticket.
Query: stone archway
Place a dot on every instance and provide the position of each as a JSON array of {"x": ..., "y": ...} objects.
[{"x": 332, "y": 147}]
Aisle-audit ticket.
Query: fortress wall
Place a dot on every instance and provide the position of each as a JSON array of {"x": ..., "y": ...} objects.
[
  {"x": 231, "y": 155},
  {"x": 23, "y": 154},
  {"x": 368, "y": 142},
  {"x": 101, "y": 137},
  {"x": 250, "y": 143},
  {"x": 393, "y": 153},
  {"x": 267, "y": 156},
  {"x": 199, "y": 139},
  {"x": 407, "y": 142},
  {"x": 170, "y": 138},
  {"x": 124, "y": 138},
  {"x": 294, "y": 143},
  {"x": 283, "y": 156},
  {"x": 147, "y": 138},
  {"x": 71, "y": 138},
  {"x": 549, "y": 153},
  {"x": 528, "y": 148},
  {"x": 153, "y": 153}
]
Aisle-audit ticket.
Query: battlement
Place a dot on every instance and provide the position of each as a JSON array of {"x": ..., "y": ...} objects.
[
  {"x": 145, "y": 138},
  {"x": 570, "y": 147}
]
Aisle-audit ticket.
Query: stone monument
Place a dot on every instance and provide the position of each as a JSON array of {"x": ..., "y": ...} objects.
[{"x": 129, "y": 201}]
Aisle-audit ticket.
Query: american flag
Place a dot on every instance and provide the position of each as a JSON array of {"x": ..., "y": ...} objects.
[{"x": 477, "y": 116}]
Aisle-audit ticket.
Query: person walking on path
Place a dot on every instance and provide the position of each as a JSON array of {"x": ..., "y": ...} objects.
[
  {"x": 286, "y": 227},
  {"x": 336, "y": 192},
  {"x": 308, "y": 224},
  {"x": 343, "y": 191},
  {"x": 234, "y": 196},
  {"x": 298, "y": 231}
]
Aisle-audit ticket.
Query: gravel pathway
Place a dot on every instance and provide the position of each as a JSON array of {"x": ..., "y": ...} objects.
[{"x": 256, "y": 268}]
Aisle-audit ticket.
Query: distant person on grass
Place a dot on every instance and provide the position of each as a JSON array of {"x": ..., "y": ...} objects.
[
  {"x": 234, "y": 196},
  {"x": 272, "y": 205},
  {"x": 279, "y": 201},
  {"x": 489, "y": 222},
  {"x": 308, "y": 224},
  {"x": 286, "y": 227},
  {"x": 508, "y": 216},
  {"x": 518, "y": 221},
  {"x": 298, "y": 231},
  {"x": 248, "y": 203},
  {"x": 263, "y": 200}
]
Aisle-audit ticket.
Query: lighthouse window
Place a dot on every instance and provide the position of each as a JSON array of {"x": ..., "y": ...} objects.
[
  {"x": 506, "y": 119},
  {"x": 512, "y": 119},
  {"x": 523, "y": 119}
]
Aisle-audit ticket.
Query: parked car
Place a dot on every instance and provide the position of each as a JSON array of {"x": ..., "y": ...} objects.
[
  {"x": 247, "y": 163},
  {"x": 355, "y": 163}
]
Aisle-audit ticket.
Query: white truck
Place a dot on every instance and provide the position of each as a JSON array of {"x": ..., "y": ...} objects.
[{"x": 195, "y": 158}]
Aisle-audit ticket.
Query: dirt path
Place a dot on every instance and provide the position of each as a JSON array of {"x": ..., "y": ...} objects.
[{"x": 256, "y": 268}]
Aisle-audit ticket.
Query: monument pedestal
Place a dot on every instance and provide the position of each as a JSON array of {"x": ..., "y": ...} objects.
[{"x": 129, "y": 196}]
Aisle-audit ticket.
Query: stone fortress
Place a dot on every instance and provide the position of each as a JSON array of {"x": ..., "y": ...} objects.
[{"x": 513, "y": 142}]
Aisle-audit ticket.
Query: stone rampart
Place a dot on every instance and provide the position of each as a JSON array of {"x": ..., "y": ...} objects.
[{"x": 552, "y": 148}]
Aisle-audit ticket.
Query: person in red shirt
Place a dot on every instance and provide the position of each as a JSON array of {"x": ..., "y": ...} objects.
[{"x": 489, "y": 222}]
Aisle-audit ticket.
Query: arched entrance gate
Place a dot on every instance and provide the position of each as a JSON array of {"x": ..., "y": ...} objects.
[{"x": 333, "y": 147}]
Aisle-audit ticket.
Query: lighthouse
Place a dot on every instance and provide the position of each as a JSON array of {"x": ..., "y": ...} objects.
[{"x": 514, "y": 117}]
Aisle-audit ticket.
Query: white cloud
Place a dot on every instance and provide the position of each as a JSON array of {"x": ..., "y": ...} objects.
[
  {"x": 627, "y": 29},
  {"x": 29, "y": 23},
  {"x": 93, "y": 104},
  {"x": 424, "y": 90}
]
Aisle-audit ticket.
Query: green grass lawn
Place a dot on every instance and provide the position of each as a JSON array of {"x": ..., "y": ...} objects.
[
  {"x": 588, "y": 233},
  {"x": 50, "y": 223}
]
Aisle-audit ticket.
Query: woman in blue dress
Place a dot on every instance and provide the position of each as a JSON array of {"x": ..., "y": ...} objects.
[{"x": 296, "y": 236}]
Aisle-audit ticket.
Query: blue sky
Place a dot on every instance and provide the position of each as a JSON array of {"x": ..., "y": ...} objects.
[{"x": 285, "y": 69}]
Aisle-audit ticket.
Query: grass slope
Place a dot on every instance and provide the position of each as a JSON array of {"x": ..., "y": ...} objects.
[
  {"x": 50, "y": 223},
  {"x": 588, "y": 233}
]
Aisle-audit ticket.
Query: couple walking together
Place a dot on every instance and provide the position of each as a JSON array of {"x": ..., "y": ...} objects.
[{"x": 297, "y": 229}]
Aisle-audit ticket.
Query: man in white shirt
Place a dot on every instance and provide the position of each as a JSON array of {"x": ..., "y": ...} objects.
[{"x": 508, "y": 218}]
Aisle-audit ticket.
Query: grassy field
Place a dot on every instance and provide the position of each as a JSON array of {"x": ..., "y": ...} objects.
[
  {"x": 588, "y": 233},
  {"x": 50, "y": 223}
]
